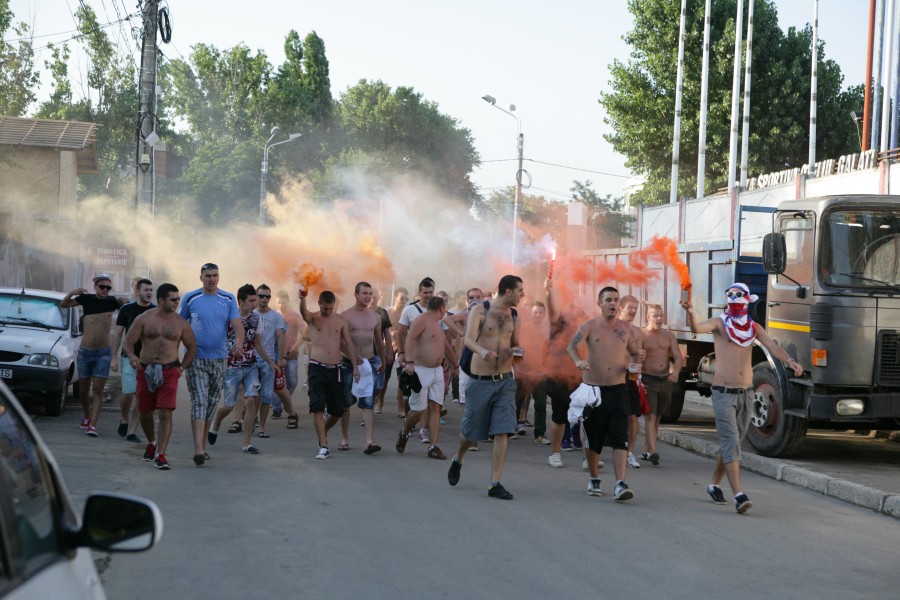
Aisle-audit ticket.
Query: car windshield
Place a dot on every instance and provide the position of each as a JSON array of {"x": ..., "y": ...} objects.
[
  {"x": 32, "y": 310},
  {"x": 861, "y": 249}
]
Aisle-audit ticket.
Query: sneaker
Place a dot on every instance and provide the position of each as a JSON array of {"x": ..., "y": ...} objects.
[
  {"x": 85, "y": 422},
  {"x": 199, "y": 459},
  {"x": 443, "y": 412},
  {"x": 453, "y": 473},
  {"x": 435, "y": 452},
  {"x": 556, "y": 461},
  {"x": 92, "y": 431},
  {"x": 122, "y": 430},
  {"x": 584, "y": 464},
  {"x": 498, "y": 491},
  {"x": 622, "y": 492},
  {"x": 653, "y": 458},
  {"x": 377, "y": 410},
  {"x": 520, "y": 428},
  {"x": 150, "y": 452},
  {"x": 633, "y": 462},
  {"x": 276, "y": 414},
  {"x": 715, "y": 493},
  {"x": 323, "y": 453},
  {"x": 161, "y": 463},
  {"x": 567, "y": 445},
  {"x": 211, "y": 437},
  {"x": 742, "y": 503},
  {"x": 542, "y": 440},
  {"x": 251, "y": 450},
  {"x": 131, "y": 437},
  {"x": 594, "y": 488},
  {"x": 401, "y": 442},
  {"x": 423, "y": 436}
]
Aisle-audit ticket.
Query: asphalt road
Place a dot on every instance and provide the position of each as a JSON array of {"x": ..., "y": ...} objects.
[{"x": 282, "y": 524}]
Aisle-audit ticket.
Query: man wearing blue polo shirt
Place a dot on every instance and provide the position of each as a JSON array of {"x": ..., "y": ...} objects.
[{"x": 209, "y": 311}]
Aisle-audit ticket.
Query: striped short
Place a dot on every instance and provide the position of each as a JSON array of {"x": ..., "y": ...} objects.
[{"x": 206, "y": 384}]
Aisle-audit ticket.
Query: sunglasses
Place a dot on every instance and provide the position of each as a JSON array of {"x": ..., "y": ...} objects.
[
  {"x": 736, "y": 294},
  {"x": 173, "y": 299},
  {"x": 209, "y": 266},
  {"x": 104, "y": 287},
  {"x": 265, "y": 296}
]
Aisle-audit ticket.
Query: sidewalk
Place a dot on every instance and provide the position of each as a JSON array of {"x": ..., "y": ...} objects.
[{"x": 841, "y": 465}]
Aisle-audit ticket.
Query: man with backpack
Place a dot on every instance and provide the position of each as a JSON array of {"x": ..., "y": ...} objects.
[{"x": 492, "y": 334}]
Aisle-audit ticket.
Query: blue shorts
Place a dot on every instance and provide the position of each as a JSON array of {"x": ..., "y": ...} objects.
[
  {"x": 247, "y": 376},
  {"x": 94, "y": 363},
  {"x": 490, "y": 408},
  {"x": 291, "y": 374},
  {"x": 266, "y": 382},
  {"x": 129, "y": 376}
]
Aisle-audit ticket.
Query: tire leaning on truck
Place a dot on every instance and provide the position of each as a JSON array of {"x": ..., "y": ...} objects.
[{"x": 772, "y": 432}]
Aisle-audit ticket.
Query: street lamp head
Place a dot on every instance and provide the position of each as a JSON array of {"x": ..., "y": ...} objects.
[
  {"x": 275, "y": 130},
  {"x": 856, "y": 116},
  {"x": 489, "y": 99},
  {"x": 293, "y": 136},
  {"x": 512, "y": 108}
]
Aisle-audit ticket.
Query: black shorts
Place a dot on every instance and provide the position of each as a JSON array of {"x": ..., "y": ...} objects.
[
  {"x": 558, "y": 391},
  {"x": 326, "y": 391},
  {"x": 634, "y": 398},
  {"x": 607, "y": 424}
]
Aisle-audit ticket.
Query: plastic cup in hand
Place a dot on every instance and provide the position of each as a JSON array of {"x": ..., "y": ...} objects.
[{"x": 634, "y": 369}]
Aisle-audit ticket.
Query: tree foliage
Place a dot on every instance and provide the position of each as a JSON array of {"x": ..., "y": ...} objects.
[
  {"x": 18, "y": 77},
  {"x": 641, "y": 107},
  {"x": 607, "y": 219}
]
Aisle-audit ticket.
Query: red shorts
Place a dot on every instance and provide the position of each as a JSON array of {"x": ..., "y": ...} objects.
[
  {"x": 280, "y": 383},
  {"x": 164, "y": 397}
]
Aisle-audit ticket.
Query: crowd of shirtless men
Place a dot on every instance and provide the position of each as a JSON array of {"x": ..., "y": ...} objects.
[{"x": 240, "y": 356}]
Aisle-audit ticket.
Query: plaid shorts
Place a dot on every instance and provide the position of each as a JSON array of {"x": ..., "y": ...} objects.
[{"x": 206, "y": 384}]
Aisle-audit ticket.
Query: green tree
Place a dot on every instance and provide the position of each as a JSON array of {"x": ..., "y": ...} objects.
[
  {"x": 18, "y": 77},
  {"x": 409, "y": 135},
  {"x": 641, "y": 107},
  {"x": 607, "y": 220}
]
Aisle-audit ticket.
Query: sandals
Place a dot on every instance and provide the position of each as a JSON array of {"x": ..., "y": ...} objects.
[
  {"x": 293, "y": 421},
  {"x": 343, "y": 446},
  {"x": 236, "y": 427}
]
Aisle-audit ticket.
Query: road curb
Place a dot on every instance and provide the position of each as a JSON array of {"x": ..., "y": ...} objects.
[{"x": 860, "y": 495}]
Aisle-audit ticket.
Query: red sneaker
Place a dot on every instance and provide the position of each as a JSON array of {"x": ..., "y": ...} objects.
[
  {"x": 161, "y": 463},
  {"x": 85, "y": 422},
  {"x": 150, "y": 452}
]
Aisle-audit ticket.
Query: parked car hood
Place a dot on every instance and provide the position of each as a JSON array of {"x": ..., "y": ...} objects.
[{"x": 28, "y": 340}]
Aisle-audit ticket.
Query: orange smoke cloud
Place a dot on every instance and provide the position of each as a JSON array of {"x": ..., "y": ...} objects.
[
  {"x": 666, "y": 251},
  {"x": 308, "y": 274}
]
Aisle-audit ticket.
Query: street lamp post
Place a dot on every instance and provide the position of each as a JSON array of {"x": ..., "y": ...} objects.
[
  {"x": 264, "y": 171},
  {"x": 520, "y": 146}
]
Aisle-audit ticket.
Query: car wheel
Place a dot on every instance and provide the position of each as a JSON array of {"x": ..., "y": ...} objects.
[{"x": 54, "y": 401}]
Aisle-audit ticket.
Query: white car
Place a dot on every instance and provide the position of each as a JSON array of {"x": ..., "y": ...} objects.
[
  {"x": 38, "y": 344},
  {"x": 44, "y": 546}
]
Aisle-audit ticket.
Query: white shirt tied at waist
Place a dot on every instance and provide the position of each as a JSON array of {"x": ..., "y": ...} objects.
[{"x": 586, "y": 396}]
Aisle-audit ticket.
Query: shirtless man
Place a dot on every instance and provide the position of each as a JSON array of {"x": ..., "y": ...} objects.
[
  {"x": 327, "y": 331},
  {"x": 732, "y": 390},
  {"x": 491, "y": 389},
  {"x": 293, "y": 339},
  {"x": 160, "y": 331},
  {"x": 365, "y": 331},
  {"x": 143, "y": 301},
  {"x": 661, "y": 349},
  {"x": 94, "y": 353},
  {"x": 426, "y": 349},
  {"x": 401, "y": 297},
  {"x": 610, "y": 343},
  {"x": 628, "y": 308}
]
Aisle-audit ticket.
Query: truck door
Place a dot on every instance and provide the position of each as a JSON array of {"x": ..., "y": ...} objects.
[
  {"x": 755, "y": 222},
  {"x": 788, "y": 315}
]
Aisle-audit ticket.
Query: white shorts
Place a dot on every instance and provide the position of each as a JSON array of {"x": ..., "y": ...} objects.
[{"x": 432, "y": 380}]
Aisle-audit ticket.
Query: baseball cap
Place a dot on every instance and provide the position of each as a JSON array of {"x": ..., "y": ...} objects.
[{"x": 101, "y": 277}]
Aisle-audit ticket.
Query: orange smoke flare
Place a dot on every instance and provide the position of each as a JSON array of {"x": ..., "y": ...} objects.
[
  {"x": 308, "y": 274},
  {"x": 666, "y": 251}
]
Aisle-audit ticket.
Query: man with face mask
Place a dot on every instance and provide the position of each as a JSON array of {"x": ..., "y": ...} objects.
[{"x": 733, "y": 335}]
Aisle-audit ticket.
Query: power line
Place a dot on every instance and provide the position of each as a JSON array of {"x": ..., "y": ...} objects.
[{"x": 541, "y": 162}]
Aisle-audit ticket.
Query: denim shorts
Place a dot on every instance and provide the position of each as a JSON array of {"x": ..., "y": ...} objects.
[
  {"x": 94, "y": 363},
  {"x": 266, "y": 382},
  {"x": 235, "y": 377},
  {"x": 292, "y": 374},
  {"x": 129, "y": 375}
]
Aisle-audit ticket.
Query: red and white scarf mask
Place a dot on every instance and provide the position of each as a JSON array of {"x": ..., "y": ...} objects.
[{"x": 739, "y": 328}]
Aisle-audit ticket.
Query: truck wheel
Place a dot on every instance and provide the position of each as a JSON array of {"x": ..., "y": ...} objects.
[
  {"x": 677, "y": 405},
  {"x": 55, "y": 400},
  {"x": 772, "y": 433}
]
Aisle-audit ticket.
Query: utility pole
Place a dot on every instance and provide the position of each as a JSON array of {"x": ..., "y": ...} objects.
[{"x": 146, "y": 127}]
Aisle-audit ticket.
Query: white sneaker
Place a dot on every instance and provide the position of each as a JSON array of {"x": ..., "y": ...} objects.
[
  {"x": 542, "y": 440},
  {"x": 622, "y": 492},
  {"x": 584, "y": 464},
  {"x": 423, "y": 436},
  {"x": 323, "y": 453},
  {"x": 556, "y": 460},
  {"x": 633, "y": 462},
  {"x": 593, "y": 488}
]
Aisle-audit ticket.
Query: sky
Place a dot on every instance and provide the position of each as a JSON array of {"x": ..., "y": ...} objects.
[{"x": 551, "y": 60}]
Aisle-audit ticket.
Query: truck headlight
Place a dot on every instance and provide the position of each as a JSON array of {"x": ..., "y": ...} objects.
[
  {"x": 849, "y": 407},
  {"x": 43, "y": 360}
]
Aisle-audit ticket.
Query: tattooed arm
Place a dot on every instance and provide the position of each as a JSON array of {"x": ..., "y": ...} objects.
[{"x": 572, "y": 348}]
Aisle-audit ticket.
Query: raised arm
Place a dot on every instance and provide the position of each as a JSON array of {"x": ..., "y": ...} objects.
[
  {"x": 69, "y": 301},
  {"x": 572, "y": 348},
  {"x": 707, "y": 326},
  {"x": 552, "y": 309},
  {"x": 304, "y": 312}
]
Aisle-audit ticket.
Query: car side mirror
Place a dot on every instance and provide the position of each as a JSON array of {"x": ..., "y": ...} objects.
[
  {"x": 774, "y": 253},
  {"x": 120, "y": 523}
]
